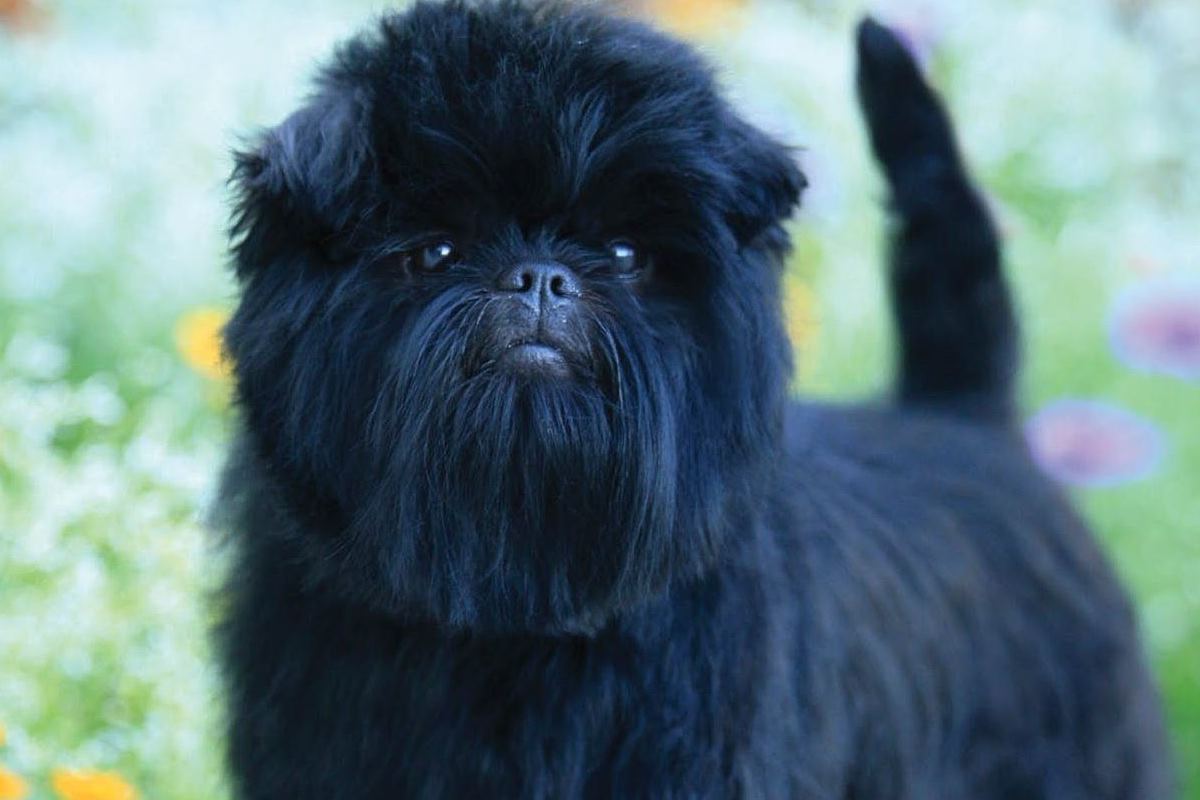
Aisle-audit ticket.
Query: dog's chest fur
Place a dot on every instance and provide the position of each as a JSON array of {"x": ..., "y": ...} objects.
[{"x": 670, "y": 701}]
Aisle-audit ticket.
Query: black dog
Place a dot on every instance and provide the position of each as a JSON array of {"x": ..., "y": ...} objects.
[{"x": 522, "y": 508}]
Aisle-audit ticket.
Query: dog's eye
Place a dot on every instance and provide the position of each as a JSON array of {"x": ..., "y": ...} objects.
[
  {"x": 625, "y": 258},
  {"x": 436, "y": 257}
]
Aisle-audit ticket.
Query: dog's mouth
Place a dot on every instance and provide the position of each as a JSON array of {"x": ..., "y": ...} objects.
[{"x": 536, "y": 359}]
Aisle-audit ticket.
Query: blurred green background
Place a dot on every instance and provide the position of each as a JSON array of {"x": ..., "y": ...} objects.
[{"x": 1081, "y": 117}]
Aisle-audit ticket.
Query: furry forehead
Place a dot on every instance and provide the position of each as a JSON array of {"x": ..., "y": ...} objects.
[{"x": 527, "y": 110}]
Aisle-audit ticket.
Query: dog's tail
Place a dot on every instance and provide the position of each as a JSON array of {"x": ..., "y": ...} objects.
[{"x": 957, "y": 333}]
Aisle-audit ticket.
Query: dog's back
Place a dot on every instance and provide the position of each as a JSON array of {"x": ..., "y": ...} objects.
[
  {"x": 973, "y": 641},
  {"x": 978, "y": 638}
]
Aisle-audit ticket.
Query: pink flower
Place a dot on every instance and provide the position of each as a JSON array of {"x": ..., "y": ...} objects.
[
  {"x": 1155, "y": 327},
  {"x": 1093, "y": 443}
]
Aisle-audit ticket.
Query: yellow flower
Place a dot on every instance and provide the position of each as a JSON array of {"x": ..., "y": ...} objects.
[
  {"x": 85, "y": 785},
  {"x": 198, "y": 337},
  {"x": 12, "y": 787},
  {"x": 694, "y": 17},
  {"x": 800, "y": 313}
]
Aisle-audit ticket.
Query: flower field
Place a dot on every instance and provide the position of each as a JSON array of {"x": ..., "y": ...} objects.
[{"x": 1081, "y": 118}]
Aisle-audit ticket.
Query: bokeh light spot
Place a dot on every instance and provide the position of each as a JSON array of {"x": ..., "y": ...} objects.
[
  {"x": 1094, "y": 443},
  {"x": 1155, "y": 327}
]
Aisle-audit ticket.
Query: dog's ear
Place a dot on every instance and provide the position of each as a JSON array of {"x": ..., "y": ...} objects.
[
  {"x": 295, "y": 185},
  {"x": 767, "y": 182}
]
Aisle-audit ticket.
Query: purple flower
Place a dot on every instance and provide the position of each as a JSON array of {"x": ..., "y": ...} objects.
[
  {"x": 1155, "y": 327},
  {"x": 1093, "y": 443}
]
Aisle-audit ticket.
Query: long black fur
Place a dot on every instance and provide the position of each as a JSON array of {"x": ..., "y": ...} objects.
[{"x": 657, "y": 576}]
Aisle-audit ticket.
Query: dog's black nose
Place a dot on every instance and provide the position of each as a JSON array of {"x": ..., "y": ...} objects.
[
  {"x": 541, "y": 281},
  {"x": 538, "y": 328}
]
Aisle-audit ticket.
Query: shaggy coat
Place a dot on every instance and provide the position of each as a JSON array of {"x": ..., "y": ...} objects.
[{"x": 522, "y": 507}]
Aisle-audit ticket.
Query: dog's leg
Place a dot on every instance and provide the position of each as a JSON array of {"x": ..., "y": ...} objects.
[{"x": 957, "y": 334}]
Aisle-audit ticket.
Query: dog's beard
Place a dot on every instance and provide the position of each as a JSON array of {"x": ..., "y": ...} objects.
[{"x": 476, "y": 496}]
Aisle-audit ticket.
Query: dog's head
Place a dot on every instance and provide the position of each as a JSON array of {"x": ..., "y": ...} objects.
[{"x": 509, "y": 339}]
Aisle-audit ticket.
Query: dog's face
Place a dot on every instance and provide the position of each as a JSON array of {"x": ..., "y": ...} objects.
[{"x": 509, "y": 342}]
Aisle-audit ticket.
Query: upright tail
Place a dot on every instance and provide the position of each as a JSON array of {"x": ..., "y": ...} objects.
[{"x": 957, "y": 333}]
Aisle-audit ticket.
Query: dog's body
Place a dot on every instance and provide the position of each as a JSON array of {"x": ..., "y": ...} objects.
[
  {"x": 692, "y": 588},
  {"x": 863, "y": 641}
]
